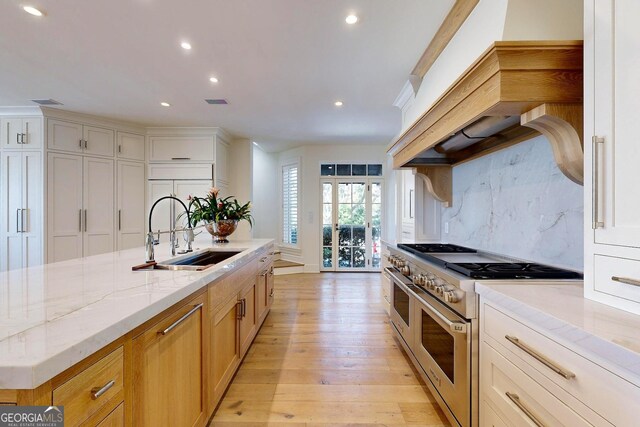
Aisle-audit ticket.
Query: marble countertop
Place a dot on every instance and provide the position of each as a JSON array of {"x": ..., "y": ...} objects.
[
  {"x": 608, "y": 336},
  {"x": 55, "y": 315}
]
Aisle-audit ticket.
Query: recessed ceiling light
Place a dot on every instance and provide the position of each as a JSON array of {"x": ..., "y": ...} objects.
[
  {"x": 32, "y": 10},
  {"x": 213, "y": 80},
  {"x": 165, "y": 104},
  {"x": 185, "y": 45},
  {"x": 351, "y": 19},
  {"x": 338, "y": 103}
]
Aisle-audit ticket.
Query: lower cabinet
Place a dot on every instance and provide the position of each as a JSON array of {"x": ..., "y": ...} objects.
[
  {"x": 169, "y": 366},
  {"x": 248, "y": 319},
  {"x": 527, "y": 377},
  {"x": 225, "y": 348},
  {"x": 115, "y": 418}
]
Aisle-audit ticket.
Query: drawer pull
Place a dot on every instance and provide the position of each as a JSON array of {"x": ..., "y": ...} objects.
[
  {"x": 96, "y": 392},
  {"x": 271, "y": 293},
  {"x": 626, "y": 280},
  {"x": 540, "y": 358},
  {"x": 263, "y": 259},
  {"x": 516, "y": 401},
  {"x": 182, "y": 319}
]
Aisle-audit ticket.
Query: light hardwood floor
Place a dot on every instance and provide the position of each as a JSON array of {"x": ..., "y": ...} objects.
[{"x": 326, "y": 356}]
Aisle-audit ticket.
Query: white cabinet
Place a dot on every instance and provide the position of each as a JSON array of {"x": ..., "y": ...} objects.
[
  {"x": 78, "y": 138},
  {"x": 612, "y": 223},
  {"x": 21, "y": 202},
  {"x": 130, "y": 146},
  {"x": 183, "y": 148},
  {"x": 222, "y": 163},
  {"x": 131, "y": 202},
  {"x": 408, "y": 206},
  {"x": 80, "y": 207},
  {"x": 21, "y": 133},
  {"x": 168, "y": 211},
  {"x": 527, "y": 372}
]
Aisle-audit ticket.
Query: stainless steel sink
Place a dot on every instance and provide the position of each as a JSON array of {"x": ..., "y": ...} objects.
[{"x": 196, "y": 261}]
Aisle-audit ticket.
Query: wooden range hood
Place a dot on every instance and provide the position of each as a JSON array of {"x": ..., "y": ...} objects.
[{"x": 513, "y": 92}]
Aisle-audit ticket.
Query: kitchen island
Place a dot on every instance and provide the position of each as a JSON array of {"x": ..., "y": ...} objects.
[{"x": 146, "y": 347}]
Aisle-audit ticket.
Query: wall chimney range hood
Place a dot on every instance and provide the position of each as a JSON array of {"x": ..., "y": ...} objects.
[{"x": 513, "y": 92}]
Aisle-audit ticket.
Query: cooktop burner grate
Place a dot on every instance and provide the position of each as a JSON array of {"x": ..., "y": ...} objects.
[
  {"x": 512, "y": 271},
  {"x": 435, "y": 248}
]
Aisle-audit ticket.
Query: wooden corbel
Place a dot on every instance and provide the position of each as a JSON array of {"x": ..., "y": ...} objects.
[
  {"x": 562, "y": 125},
  {"x": 438, "y": 181}
]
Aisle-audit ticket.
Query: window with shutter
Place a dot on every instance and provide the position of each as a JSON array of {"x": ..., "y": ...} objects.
[{"x": 290, "y": 204}]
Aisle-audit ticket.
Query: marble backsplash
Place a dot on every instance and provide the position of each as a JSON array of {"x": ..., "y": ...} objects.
[{"x": 516, "y": 202}]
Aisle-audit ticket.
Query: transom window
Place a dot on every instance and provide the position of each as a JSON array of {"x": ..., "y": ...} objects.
[{"x": 339, "y": 169}]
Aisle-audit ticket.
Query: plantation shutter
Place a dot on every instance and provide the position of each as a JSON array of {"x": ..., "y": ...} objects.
[{"x": 290, "y": 204}]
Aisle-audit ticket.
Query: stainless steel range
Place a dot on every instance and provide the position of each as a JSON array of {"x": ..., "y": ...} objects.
[{"x": 434, "y": 312}]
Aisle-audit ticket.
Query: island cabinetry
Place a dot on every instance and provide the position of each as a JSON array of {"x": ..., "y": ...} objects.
[
  {"x": 247, "y": 316},
  {"x": 168, "y": 369},
  {"x": 93, "y": 389}
]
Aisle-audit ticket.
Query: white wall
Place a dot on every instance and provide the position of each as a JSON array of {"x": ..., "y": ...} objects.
[
  {"x": 265, "y": 199},
  {"x": 311, "y": 157}
]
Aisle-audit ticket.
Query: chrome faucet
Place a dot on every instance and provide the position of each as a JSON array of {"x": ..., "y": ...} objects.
[{"x": 150, "y": 241}]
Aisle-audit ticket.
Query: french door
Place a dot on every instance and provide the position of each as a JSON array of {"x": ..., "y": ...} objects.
[{"x": 351, "y": 224}]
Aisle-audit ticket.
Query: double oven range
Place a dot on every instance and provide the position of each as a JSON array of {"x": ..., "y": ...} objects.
[{"x": 434, "y": 313}]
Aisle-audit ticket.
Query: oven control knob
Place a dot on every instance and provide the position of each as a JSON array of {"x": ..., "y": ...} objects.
[
  {"x": 440, "y": 287},
  {"x": 406, "y": 270},
  {"x": 423, "y": 280},
  {"x": 431, "y": 284},
  {"x": 453, "y": 295}
]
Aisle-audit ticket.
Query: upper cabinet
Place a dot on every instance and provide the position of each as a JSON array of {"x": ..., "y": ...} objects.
[
  {"x": 130, "y": 146},
  {"x": 21, "y": 133},
  {"x": 183, "y": 148},
  {"x": 612, "y": 223},
  {"x": 78, "y": 138}
]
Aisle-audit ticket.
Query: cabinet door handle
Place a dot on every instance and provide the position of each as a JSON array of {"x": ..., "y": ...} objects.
[
  {"x": 181, "y": 158},
  {"x": 17, "y": 220},
  {"x": 80, "y": 220},
  {"x": 271, "y": 293},
  {"x": 626, "y": 280},
  {"x": 263, "y": 259},
  {"x": 85, "y": 220},
  {"x": 239, "y": 310},
  {"x": 596, "y": 142},
  {"x": 23, "y": 220},
  {"x": 244, "y": 307},
  {"x": 80, "y": 143},
  {"x": 18, "y": 138},
  {"x": 516, "y": 401},
  {"x": 540, "y": 358},
  {"x": 410, "y": 203},
  {"x": 119, "y": 148},
  {"x": 182, "y": 319},
  {"x": 119, "y": 219},
  {"x": 86, "y": 144},
  {"x": 25, "y": 136},
  {"x": 96, "y": 392}
]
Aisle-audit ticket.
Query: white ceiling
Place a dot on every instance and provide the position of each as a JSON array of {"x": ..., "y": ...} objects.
[{"x": 281, "y": 63}]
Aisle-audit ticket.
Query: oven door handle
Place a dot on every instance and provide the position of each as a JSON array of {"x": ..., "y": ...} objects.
[
  {"x": 400, "y": 279},
  {"x": 455, "y": 327}
]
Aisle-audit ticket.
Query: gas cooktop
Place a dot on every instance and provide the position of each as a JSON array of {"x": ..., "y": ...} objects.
[
  {"x": 476, "y": 265},
  {"x": 516, "y": 270}
]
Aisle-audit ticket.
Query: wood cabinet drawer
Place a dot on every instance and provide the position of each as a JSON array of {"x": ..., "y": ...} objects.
[
  {"x": 548, "y": 362},
  {"x": 618, "y": 277},
  {"x": 114, "y": 419},
  {"x": 521, "y": 400},
  {"x": 91, "y": 389}
]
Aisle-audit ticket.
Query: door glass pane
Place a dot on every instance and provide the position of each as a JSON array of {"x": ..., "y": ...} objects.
[
  {"x": 376, "y": 223},
  {"x": 374, "y": 170},
  {"x": 344, "y": 213},
  {"x": 327, "y": 192},
  {"x": 327, "y": 261},
  {"x": 359, "y": 259},
  {"x": 358, "y": 216},
  {"x": 344, "y": 192},
  {"x": 344, "y": 236},
  {"x": 439, "y": 344},
  {"x": 327, "y": 235},
  {"x": 358, "y": 236},
  {"x": 344, "y": 257},
  {"x": 358, "y": 192}
]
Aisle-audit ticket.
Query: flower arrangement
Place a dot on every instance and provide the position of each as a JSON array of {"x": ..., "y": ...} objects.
[{"x": 211, "y": 209}]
